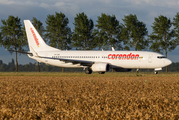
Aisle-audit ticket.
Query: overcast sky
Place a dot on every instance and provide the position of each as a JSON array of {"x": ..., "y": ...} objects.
[{"x": 146, "y": 11}]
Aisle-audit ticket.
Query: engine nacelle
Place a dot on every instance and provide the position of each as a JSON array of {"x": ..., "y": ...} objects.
[{"x": 100, "y": 67}]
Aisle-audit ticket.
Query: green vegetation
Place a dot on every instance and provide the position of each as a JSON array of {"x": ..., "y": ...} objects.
[
  {"x": 133, "y": 33},
  {"x": 82, "y": 38},
  {"x": 176, "y": 26},
  {"x": 12, "y": 36},
  {"x": 108, "y": 32},
  {"x": 57, "y": 31}
]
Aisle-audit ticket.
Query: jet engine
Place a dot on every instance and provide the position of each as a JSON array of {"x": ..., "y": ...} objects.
[{"x": 100, "y": 67}]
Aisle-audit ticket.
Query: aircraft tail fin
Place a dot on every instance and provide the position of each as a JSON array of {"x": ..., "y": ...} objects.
[{"x": 35, "y": 41}]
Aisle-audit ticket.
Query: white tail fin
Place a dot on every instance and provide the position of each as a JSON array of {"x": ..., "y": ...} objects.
[{"x": 35, "y": 41}]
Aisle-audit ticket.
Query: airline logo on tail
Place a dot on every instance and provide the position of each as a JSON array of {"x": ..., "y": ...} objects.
[{"x": 35, "y": 37}]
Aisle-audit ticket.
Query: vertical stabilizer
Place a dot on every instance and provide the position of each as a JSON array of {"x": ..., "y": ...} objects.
[{"x": 35, "y": 41}]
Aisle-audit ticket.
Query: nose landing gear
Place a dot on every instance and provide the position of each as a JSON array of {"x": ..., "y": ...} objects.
[{"x": 155, "y": 72}]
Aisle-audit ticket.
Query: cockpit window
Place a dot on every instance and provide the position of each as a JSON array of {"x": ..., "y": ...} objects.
[{"x": 160, "y": 57}]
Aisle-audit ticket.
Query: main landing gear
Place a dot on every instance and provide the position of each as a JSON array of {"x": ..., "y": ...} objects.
[{"x": 88, "y": 71}]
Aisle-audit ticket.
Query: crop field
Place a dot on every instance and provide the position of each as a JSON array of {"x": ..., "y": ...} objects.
[{"x": 80, "y": 96}]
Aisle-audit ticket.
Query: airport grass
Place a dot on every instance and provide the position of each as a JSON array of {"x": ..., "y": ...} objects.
[
  {"x": 82, "y": 74},
  {"x": 80, "y": 96}
]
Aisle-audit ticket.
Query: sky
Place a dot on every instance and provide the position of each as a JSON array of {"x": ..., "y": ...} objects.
[{"x": 146, "y": 11}]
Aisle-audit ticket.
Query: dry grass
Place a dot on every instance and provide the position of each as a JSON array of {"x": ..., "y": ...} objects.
[{"x": 89, "y": 97}]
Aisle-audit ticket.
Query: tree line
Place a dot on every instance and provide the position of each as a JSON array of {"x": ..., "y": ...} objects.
[{"x": 106, "y": 33}]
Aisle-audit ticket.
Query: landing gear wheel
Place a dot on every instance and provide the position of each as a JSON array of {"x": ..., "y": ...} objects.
[
  {"x": 155, "y": 72},
  {"x": 88, "y": 71},
  {"x": 101, "y": 72}
]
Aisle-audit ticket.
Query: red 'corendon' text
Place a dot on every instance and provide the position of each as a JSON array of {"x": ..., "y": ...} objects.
[
  {"x": 124, "y": 56},
  {"x": 35, "y": 37}
]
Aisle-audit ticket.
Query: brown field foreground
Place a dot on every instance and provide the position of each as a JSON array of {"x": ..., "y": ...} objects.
[{"x": 89, "y": 97}]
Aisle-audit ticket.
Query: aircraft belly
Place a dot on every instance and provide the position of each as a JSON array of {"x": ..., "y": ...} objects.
[
  {"x": 131, "y": 64},
  {"x": 126, "y": 64},
  {"x": 150, "y": 66}
]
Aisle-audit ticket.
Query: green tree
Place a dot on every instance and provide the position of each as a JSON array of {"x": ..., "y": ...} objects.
[
  {"x": 12, "y": 36},
  {"x": 107, "y": 32},
  {"x": 57, "y": 31},
  {"x": 133, "y": 33},
  {"x": 176, "y": 27},
  {"x": 82, "y": 37},
  {"x": 162, "y": 37},
  {"x": 39, "y": 27}
]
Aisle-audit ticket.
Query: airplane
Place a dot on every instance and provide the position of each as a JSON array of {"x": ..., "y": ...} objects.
[{"x": 92, "y": 61}]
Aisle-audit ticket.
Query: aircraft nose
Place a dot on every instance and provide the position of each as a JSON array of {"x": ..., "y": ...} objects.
[{"x": 168, "y": 62}]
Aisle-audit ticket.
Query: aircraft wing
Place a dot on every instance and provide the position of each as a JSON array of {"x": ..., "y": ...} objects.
[
  {"x": 73, "y": 61},
  {"x": 81, "y": 62}
]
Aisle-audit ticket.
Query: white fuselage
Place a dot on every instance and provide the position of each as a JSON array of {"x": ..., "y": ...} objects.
[{"x": 122, "y": 59}]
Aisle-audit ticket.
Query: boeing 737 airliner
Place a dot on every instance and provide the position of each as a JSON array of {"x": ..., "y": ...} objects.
[{"x": 92, "y": 61}]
